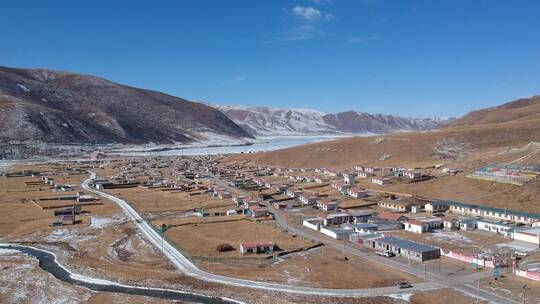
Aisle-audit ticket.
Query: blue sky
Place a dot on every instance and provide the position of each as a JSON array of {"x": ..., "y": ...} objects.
[{"x": 411, "y": 58}]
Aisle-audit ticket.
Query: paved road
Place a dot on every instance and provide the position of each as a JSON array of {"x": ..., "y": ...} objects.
[
  {"x": 464, "y": 283},
  {"x": 188, "y": 268}
]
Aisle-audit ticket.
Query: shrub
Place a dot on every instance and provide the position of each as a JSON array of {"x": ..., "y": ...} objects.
[{"x": 224, "y": 247}]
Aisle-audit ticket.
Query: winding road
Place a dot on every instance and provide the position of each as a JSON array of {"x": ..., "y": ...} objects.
[{"x": 188, "y": 268}]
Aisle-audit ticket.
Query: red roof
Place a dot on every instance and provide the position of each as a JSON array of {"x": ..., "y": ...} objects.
[
  {"x": 392, "y": 216},
  {"x": 416, "y": 222}
]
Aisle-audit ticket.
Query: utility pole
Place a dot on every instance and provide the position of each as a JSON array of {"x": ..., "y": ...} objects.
[
  {"x": 523, "y": 294},
  {"x": 477, "y": 291}
]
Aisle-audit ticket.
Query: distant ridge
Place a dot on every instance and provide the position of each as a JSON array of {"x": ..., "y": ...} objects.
[{"x": 274, "y": 121}]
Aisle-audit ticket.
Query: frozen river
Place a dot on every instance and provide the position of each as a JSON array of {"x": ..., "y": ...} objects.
[{"x": 262, "y": 144}]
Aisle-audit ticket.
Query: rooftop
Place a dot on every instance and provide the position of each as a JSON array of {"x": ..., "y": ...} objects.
[
  {"x": 493, "y": 209},
  {"x": 407, "y": 245}
]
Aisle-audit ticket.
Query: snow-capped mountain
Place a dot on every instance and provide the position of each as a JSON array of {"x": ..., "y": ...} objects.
[{"x": 267, "y": 121}]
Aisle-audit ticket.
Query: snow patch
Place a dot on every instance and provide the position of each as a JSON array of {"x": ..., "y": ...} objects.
[
  {"x": 401, "y": 296},
  {"x": 22, "y": 87},
  {"x": 100, "y": 222},
  {"x": 8, "y": 252}
]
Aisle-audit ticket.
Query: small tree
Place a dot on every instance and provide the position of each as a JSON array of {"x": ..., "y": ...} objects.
[{"x": 224, "y": 247}]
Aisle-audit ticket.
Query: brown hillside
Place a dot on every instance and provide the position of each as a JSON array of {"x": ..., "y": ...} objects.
[
  {"x": 454, "y": 145},
  {"x": 518, "y": 110}
]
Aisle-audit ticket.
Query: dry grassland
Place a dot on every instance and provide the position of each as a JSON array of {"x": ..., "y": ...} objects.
[{"x": 321, "y": 267}]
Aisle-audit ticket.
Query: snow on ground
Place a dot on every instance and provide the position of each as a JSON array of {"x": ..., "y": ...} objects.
[
  {"x": 72, "y": 236},
  {"x": 21, "y": 281},
  {"x": 10, "y": 252},
  {"x": 519, "y": 246},
  {"x": 401, "y": 296},
  {"x": 22, "y": 87},
  {"x": 100, "y": 222},
  {"x": 449, "y": 236}
]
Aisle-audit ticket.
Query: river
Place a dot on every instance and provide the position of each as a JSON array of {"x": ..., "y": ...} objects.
[
  {"x": 261, "y": 144},
  {"x": 47, "y": 262}
]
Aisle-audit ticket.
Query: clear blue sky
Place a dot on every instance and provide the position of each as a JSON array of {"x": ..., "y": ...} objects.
[{"x": 413, "y": 58}]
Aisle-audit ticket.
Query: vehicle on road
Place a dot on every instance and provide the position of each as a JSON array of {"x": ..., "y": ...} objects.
[
  {"x": 404, "y": 285},
  {"x": 386, "y": 254}
]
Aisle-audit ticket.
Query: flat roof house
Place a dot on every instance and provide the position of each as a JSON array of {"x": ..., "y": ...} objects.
[
  {"x": 421, "y": 225},
  {"x": 492, "y": 212},
  {"x": 246, "y": 248},
  {"x": 528, "y": 235},
  {"x": 415, "y": 251}
]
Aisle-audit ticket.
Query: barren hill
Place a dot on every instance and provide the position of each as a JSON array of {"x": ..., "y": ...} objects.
[
  {"x": 59, "y": 107},
  {"x": 518, "y": 110},
  {"x": 408, "y": 149}
]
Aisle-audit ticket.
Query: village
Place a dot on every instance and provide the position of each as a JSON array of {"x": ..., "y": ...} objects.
[{"x": 295, "y": 225}]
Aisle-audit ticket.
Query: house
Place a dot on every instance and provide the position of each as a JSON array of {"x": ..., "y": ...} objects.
[
  {"x": 260, "y": 248},
  {"x": 364, "y": 238},
  {"x": 371, "y": 170},
  {"x": 313, "y": 223},
  {"x": 67, "y": 219},
  {"x": 450, "y": 224},
  {"x": 357, "y": 192},
  {"x": 76, "y": 209},
  {"x": 395, "y": 205},
  {"x": 381, "y": 180},
  {"x": 240, "y": 199},
  {"x": 361, "y": 216},
  {"x": 413, "y": 175},
  {"x": 364, "y": 174},
  {"x": 336, "y": 219},
  {"x": 467, "y": 224},
  {"x": 308, "y": 200},
  {"x": 436, "y": 207},
  {"x": 425, "y": 224},
  {"x": 392, "y": 216},
  {"x": 341, "y": 186},
  {"x": 224, "y": 195},
  {"x": 500, "y": 227},
  {"x": 531, "y": 235},
  {"x": 341, "y": 233},
  {"x": 412, "y": 250},
  {"x": 327, "y": 204},
  {"x": 257, "y": 211},
  {"x": 492, "y": 212},
  {"x": 385, "y": 225},
  {"x": 349, "y": 178},
  {"x": 416, "y": 226},
  {"x": 294, "y": 192},
  {"x": 322, "y": 180},
  {"x": 358, "y": 168}
]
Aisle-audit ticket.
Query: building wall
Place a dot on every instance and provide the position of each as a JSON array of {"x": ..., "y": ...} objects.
[{"x": 534, "y": 239}]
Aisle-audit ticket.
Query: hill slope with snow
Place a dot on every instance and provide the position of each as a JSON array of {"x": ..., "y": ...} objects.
[{"x": 267, "y": 121}]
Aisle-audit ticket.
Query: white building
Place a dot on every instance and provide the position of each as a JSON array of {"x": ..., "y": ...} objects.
[{"x": 528, "y": 235}]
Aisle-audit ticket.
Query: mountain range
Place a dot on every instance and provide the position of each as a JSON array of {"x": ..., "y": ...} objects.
[
  {"x": 67, "y": 108},
  {"x": 267, "y": 121}
]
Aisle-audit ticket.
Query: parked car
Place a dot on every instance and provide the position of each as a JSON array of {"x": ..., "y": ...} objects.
[
  {"x": 403, "y": 285},
  {"x": 386, "y": 254},
  {"x": 520, "y": 253}
]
